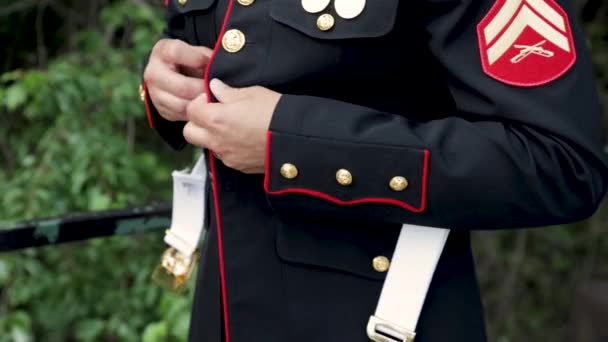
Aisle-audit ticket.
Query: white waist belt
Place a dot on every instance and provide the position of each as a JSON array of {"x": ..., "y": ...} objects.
[{"x": 404, "y": 291}]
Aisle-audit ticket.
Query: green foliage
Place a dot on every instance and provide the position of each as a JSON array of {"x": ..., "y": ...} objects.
[
  {"x": 73, "y": 130},
  {"x": 74, "y": 137}
]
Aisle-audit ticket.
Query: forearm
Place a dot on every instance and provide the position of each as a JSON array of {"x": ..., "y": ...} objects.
[{"x": 460, "y": 173}]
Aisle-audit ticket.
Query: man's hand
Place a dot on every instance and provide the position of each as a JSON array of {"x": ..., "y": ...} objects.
[
  {"x": 174, "y": 76},
  {"x": 234, "y": 129}
]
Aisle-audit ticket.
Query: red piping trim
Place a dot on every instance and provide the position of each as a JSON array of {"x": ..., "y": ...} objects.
[
  {"x": 214, "y": 185},
  {"x": 147, "y": 104},
  {"x": 167, "y": 3},
  {"x": 377, "y": 200}
]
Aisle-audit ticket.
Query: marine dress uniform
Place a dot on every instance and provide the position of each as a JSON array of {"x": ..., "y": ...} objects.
[{"x": 463, "y": 114}]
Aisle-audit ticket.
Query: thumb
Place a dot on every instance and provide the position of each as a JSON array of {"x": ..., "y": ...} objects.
[{"x": 223, "y": 92}]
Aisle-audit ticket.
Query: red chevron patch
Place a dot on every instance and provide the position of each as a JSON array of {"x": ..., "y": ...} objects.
[{"x": 526, "y": 42}]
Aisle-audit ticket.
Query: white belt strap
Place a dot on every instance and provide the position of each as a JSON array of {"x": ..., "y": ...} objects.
[
  {"x": 188, "y": 213},
  {"x": 404, "y": 291},
  {"x": 186, "y": 232}
]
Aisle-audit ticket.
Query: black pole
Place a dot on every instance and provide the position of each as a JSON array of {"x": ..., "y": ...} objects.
[{"x": 85, "y": 226}]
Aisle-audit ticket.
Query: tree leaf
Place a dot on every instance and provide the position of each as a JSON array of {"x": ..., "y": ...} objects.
[
  {"x": 15, "y": 96},
  {"x": 89, "y": 330},
  {"x": 156, "y": 332}
]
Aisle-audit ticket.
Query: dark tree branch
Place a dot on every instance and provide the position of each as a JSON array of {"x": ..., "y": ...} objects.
[
  {"x": 40, "y": 45},
  {"x": 7, "y": 154},
  {"x": 16, "y": 6},
  {"x": 131, "y": 135},
  {"x": 66, "y": 12},
  {"x": 509, "y": 286}
]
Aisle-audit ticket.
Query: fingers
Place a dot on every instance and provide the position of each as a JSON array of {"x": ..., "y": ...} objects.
[
  {"x": 169, "y": 89},
  {"x": 253, "y": 170},
  {"x": 168, "y": 105},
  {"x": 192, "y": 72},
  {"x": 177, "y": 52},
  {"x": 198, "y": 136},
  {"x": 163, "y": 77},
  {"x": 207, "y": 115}
]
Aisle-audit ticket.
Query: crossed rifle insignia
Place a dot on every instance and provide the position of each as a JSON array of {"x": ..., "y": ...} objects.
[{"x": 527, "y": 50}]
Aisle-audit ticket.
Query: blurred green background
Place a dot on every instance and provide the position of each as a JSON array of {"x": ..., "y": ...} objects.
[{"x": 74, "y": 138}]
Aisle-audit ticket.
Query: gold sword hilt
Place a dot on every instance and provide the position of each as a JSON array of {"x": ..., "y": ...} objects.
[{"x": 174, "y": 270}]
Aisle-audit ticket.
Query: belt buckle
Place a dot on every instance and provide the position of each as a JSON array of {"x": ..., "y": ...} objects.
[
  {"x": 380, "y": 330},
  {"x": 174, "y": 270}
]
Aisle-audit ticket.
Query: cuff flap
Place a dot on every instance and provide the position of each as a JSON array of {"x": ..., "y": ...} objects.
[{"x": 347, "y": 173}]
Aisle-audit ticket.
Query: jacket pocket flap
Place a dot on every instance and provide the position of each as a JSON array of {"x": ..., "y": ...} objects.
[
  {"x": 377, "y": 19},
  {"x": 339, "y": 245}
]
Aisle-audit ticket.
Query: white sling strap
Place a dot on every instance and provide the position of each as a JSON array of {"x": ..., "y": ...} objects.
[
  {"x": 188, "y": 212},
  {"x": 186, "y": 231},
  {"x": 404, "y": 291}
]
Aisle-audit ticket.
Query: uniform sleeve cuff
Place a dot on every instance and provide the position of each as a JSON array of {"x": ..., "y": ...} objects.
[
  {"x": 143, "y": 93},
  {"x": 170, "y": 131},
  {"x": 346, "y": 173}
]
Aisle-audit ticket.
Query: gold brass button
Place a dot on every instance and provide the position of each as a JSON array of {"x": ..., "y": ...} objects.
[
  {"x": 182, "y": 2},
  {"x": 398, "y": 183},
  {"x": 142, "y": 93},
  {"x": 246, "y": 2},
  {"x": 381, "y": 263},
  {"x": 233, "y": 40},
  {"x": 325, "y": 22},
  {"x": 289, "y": 171},
  {"x": 344, "y": 177}
]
